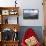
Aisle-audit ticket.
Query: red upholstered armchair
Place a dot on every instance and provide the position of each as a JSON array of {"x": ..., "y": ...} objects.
[{"x": 30, "y": 39}]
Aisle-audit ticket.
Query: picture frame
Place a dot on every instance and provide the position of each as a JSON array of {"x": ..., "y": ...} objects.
[
  {"x": 30, "y": 13},
  {"x": 5, "y": 12},
  {"x": 12, "y": 12}
]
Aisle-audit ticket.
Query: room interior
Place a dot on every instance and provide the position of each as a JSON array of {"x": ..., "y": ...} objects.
[{"x": 16, "y": 16}]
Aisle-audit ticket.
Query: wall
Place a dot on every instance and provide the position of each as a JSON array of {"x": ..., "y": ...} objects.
[
  {"x": 32, "y": 4},
  {"x": 26, "y": 4}
]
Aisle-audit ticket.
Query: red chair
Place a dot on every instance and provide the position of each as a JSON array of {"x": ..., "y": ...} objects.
[{"x": 29, "y": 33}]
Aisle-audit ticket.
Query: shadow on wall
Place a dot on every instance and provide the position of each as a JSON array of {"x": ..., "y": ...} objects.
[{"x": 37, "y": 29}]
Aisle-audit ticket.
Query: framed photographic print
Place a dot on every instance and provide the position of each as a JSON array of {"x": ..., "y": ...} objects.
[
  {"x": 12, "y": 12},
  {"x": 5, "y": 12},
  {"x": 30, "y": 13}
]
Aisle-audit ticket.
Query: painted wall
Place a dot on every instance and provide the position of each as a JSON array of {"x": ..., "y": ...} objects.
[
  {"x": 26, "y": 4},
  {"x": 32, "y": 4}
]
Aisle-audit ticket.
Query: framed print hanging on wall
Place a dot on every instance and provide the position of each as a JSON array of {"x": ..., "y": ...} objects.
[{"x": 30, "y": 13}]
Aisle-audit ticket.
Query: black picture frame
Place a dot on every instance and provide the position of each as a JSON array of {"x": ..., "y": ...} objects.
[{"x": 30, "y": 13}]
